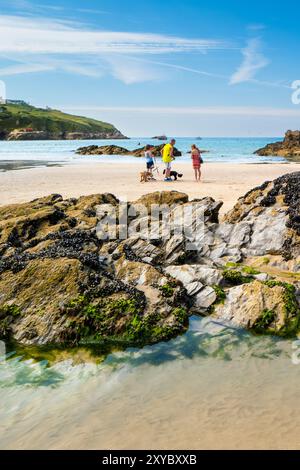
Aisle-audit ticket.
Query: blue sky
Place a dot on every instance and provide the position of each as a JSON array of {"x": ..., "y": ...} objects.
[{"x": 182, "y": 68}]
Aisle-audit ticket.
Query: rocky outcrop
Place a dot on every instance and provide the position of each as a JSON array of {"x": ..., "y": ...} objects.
[
  {"x": 269, "y": 307},
  {"x": 60, "y": 284},
  {"x": 102, "y": 150},
  {"x": 62, "y": 280},
  {"x": 156, "y": 151},
  {"x": 271, "y": 217},
  {"x": 161, "y": 197},
  {"x": 116, "y": 150},
  {"x": 288, "y": 148},
  {"x": 18, "y": 134},
  {"x": 160, "y": 137}
]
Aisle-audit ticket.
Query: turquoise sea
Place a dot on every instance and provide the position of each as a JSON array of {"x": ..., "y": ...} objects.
[{"x": 227, "y": 150}]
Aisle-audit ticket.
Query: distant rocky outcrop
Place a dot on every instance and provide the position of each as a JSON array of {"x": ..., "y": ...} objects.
[
  {"x": 116, "y": 150},
  {"x": 160, "y": 137},
  {"x": 288, "y": 148},
  {"x": 20, "y": 134},
  {"x": 63, "y": 282},
  {"x": 102, "y": 150}
]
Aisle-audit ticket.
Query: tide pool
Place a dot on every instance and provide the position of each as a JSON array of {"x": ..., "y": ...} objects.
[{"x": 213, "y": 387}]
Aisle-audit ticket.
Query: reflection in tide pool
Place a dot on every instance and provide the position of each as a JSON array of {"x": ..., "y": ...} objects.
[{"x": 214, "y": 387}]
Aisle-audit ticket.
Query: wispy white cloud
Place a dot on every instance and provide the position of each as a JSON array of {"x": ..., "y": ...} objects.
[
  {"x": 50, "y": 44},
  {"x": 57, "y": 44},
  {"x": 35, "y": 35},
  {"x": 192, "y": 110},
  {"x": 180, "y": 67},
  {"x": 256, "y": 27},
  {"x": 24, "y": 68},
  {"x": 92, "y": 11},
  {"x": 79, "y": 69},
  {"x": 132, "y": 71},
  {"x": 33, "y": 7},
  {"x": 252, "y": 62}
]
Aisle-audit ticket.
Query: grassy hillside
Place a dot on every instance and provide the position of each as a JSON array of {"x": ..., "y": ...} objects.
[{"x": 20, "y": 116}]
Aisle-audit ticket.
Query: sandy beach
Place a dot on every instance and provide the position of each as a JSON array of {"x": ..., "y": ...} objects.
[{"x": 225, "y": 181}]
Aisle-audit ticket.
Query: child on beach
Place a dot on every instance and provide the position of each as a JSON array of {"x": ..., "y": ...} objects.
[
  {"x": 149, "y": 159},
  {"x": 197, "y": 160}
]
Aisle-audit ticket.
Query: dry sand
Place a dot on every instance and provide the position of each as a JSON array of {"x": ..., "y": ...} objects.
[{"x": 220, "y": 180}]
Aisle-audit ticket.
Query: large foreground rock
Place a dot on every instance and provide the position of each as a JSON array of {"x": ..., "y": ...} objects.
[
  {"x": 265, "y": 307},
  {"x": 58, "y": 286},
  {"x": 63, "y": 280},
  {"x": 271, "y": 215}
]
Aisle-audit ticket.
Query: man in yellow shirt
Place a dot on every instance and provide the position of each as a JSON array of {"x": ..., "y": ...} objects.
[{"x": 167, "y": 157}]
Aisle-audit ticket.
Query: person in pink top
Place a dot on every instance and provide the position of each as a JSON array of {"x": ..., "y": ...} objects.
[{"x": 197, "y": 160}]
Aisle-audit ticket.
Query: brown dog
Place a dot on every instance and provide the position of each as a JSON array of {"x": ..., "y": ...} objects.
[{"x": 145, "y": 176}]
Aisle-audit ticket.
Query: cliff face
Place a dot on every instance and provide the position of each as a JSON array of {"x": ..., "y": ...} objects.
[
  {"x": 44, "y": 135},
  {"x": 61, "y": 282},
  {"x": 289, "y": 148},
  {"x": 24, "y": 122}
]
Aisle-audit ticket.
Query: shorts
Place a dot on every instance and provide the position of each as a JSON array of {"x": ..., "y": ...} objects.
[
  {"x": 168, "y": 165},
  {"x": 149, "y": 165}
]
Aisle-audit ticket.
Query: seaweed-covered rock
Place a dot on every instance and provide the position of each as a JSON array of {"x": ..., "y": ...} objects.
[
  {"x": 117, "y": 150},
  {"x": 269, "y": 307},
  {"x": 160, "y": 198},
  {"x": 156, "y": 151},
  {"x": 62, "y": 282},
  {"x": 59, "y": 283},
  {"x": 272, "y": 212},
  {"x": 102, "y": 150}
]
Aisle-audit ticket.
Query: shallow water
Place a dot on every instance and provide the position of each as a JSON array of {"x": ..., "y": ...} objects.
[
  {"x": 214, "y": 387},
  {"x": 227, "y": 150},
  {"x": 8, "y": 165}
]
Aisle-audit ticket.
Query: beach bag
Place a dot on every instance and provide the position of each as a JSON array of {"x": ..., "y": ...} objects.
[{"x": 201, "y": 159}]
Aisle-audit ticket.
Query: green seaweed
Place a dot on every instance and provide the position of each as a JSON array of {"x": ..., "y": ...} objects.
[
  {"x": 8, "y": 313},
  {"x": 291, "y": 308},
  {"x": 221, "y": 297},
  {"x": 119, "y": 320},
  {"x": 231, "y": 264},
  {"x": 266, "y": 318},
  {"x": 180, "y": 314},
  {"x": 13, "y": 310},
  {"x": 250, "y": 270},
  {"x": 221, "y": 294},
  {"x": 167, "y": 289},
  {"x": 236, "y": 277}
]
